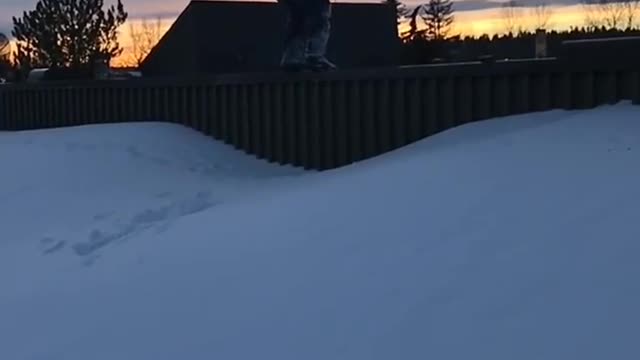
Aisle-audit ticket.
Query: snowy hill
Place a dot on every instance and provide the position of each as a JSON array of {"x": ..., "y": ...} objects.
[{"x": 513, "y": 238}]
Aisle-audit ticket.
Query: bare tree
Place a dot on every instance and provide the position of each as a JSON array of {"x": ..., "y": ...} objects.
[
  {"x": 604, "y": 13},
  {"x": 631, "y": 12},
  {"x": 144, "y": 37},
  {"x": 512, "y": 16},
  {"x": 542, "y": 14},
  {"x": 438, "y": 18}
]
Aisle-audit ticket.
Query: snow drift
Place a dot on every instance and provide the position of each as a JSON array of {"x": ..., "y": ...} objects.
[{"x": 513, "y": 238}]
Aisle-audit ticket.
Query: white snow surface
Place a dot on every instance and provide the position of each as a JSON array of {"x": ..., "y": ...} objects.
[{"x": 514, "y": 238}]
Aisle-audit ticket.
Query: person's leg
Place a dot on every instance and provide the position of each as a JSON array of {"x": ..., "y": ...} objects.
[
  {"x": 318, "y": 27},
  {"x": 294, "y": 53}
]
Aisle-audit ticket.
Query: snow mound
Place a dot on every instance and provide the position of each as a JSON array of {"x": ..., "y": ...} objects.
[
  {"x": 513, "y": 238},
  {"x": 83, "y": 188}
]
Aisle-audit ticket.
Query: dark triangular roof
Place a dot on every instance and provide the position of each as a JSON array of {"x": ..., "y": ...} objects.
[{"x": 237, "y": 36}]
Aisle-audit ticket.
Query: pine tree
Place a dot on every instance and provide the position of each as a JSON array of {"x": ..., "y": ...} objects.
[
  {"x": 68, "y": 33},
  {"x": 438, "y": 18}
]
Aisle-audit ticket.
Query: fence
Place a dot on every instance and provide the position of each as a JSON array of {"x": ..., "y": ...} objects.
[{"x": 329, "y": 120}]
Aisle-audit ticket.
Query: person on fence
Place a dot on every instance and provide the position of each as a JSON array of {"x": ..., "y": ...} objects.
[{"x": 307, "y": 34}]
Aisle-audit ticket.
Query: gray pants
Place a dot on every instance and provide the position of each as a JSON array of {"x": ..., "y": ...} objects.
[{"x": 308, "y": 30}]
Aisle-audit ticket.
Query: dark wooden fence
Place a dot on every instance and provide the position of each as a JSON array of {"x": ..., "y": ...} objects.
[{"x": 330, "y": 120}]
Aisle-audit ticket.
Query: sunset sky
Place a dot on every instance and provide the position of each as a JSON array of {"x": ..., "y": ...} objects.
[{"x": 472, "y": 16}]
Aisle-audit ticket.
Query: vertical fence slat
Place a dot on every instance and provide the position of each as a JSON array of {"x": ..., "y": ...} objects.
[
  {"x": 481, "y": 98},
  {"x": 13, "y": 113},
  {"x": 501, "y": 96},
  {"x": 21, "y": 106},
  {"x": 414, "y": 110},
  {"x": 7, "y": 108},
  {"x": 288, "y": 122},
  {"x": 315, "y": 145},
  {"x": 383, "y": 122},
  {"x": 24, "y": 110},
  {"x": 96, "y": 106},
  {"x": 33, "y": 108},
  {"x": 541, "y": 92},
  {"x": 302, "y": 126},
  {"x": 122, "y": 105},
  {"x": 84, "y": 98},
  {"x": 184, "y": 110},
  {"x": 432, "y": 112},
  {"x": 13, "y": 109},
  {"x": 27, "y": 114},
  {"x": 239, "y": 111},
  {"x": 523, "y": 93},
  {"x": 61, "y": 120},
  {"x": 566, "y": 94},
  {"x": 584, "y": 90},
  {"x": 266, "y": 97},
  {"x": 278, "y": 122},
  {"x": 131, "y": 113},
  {"x": 152, "y": 104},
  {"x": 447, "y": 99},
  {"x": 327, "y": 94},
  {"x": 206, "y": 100},
  {"x": 220, "y": 116},
  {"x": 138, "y": 103},
  {"x": 3, "y": 110},
  {"x": 54, "y": 100},
  {"x": 369, "y": 119},
  {"x": 635, "y": 87},
  {"x": 354, "y": 137},
  {"x": 222, "y": 113},
  {"x": 292, "y": 118},
  {"x": 341, "y": 130},
  {"x": 606, "y": 87},
  {"x": 464, "y": 100},
  {"x": 398, "y": 115},
  {"x": 244, "y": 125},
  {"x": 256, "y": 116}
]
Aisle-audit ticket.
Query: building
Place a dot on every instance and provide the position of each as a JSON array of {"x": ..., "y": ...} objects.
[{"x": 238, "y": 36}]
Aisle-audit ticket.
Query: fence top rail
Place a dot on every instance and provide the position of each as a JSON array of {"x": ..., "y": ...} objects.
[{"x": 445, "y": 70}]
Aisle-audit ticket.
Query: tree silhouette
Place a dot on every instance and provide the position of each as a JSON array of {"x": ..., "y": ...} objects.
[
  {"x": 143, "y": 39},
  {"x": 420, "y": 50},
  {"x": 604, "y": 13},
  {"x": 542, "y": 14},
  {"x": 631, "y": 12},
  {"x": 511, "y": 12},
  {"x": 68, "y": 33},
  {"x": 438, "y": 18}
]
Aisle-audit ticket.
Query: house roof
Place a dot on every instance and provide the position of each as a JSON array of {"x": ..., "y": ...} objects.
[{"x": 223, "y": 35}]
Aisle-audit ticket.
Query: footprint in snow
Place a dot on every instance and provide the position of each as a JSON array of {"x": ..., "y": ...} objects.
[{"x": 51, "y": 245}]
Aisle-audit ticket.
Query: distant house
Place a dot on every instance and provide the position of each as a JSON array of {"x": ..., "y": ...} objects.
[{"x": 236, "y": 36}]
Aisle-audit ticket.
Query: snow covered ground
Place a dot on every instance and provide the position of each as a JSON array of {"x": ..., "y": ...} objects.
[{"x": 515, "y": 238}]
